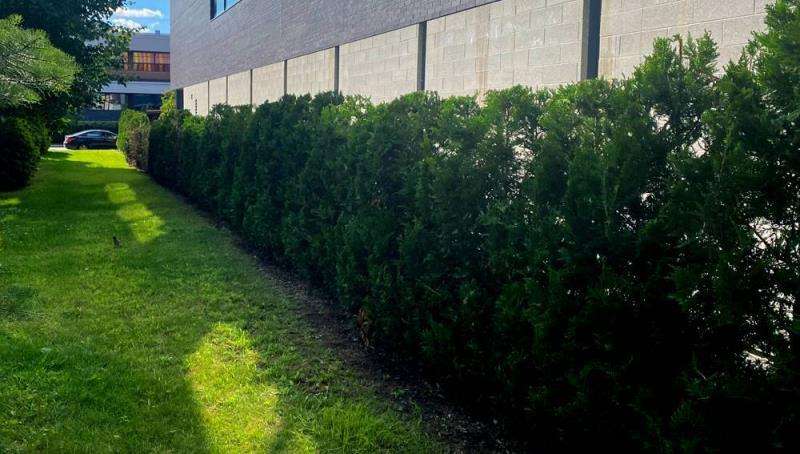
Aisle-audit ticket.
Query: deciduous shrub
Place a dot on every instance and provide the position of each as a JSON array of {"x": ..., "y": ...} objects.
[
  {"x": 613, "y": 263},
  {"x": 133, "y": 137},
  {"x": 23, "y": 141}
]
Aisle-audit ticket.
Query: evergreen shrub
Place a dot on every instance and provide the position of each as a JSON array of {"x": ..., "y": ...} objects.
[
  {"x": 23, "y": 141},
  {"x": 611, "y": 263},
  {"x": 133, "y": 137}
]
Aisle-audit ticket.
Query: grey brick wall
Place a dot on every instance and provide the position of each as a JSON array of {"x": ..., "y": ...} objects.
[
  {"x": 217, "y": 92},
  {"x": 195, "y": 98},
  {"x": 312, "y": 73},
  {"x": 382, "y": 67},
  {"x": 511, "y": 42},
  {"x": 628, "y": 28},
  {"x": 470, "y": 46},
  {"x": 267, "y": 83},
  {"x": 255, "y": 33},
  {"x": 239, "y": 89}
]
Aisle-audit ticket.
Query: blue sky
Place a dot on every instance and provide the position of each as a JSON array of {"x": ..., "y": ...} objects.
[{"x": 150, "y": 15}]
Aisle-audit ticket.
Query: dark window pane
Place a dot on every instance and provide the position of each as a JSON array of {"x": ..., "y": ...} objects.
[
  {"x": 217, "y": 7},
  {"x": 109, "y": 101},
  {"x": 142, "y": 102}
]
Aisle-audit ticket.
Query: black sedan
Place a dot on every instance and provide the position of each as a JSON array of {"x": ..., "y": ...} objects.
[{"x": 93, "y": 138}]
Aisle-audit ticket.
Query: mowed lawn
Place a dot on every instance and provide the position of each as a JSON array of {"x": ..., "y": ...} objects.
[{"x": 173, "y": 342}]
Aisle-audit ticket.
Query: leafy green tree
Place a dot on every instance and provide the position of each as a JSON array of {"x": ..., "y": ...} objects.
[
  {"x": 30, "y": 67},
  {"x": 80, "y": 28}
]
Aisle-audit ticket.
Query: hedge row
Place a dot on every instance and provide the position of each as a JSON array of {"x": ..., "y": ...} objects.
[
  {"x": 606, "y": 264},
  {"x": 134, "y": 136},
  {"x": 23, "y": 140}
]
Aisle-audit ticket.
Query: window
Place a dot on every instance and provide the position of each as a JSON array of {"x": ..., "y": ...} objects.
[
  {"x": 150, "y": 62},
  {"x": 144, "y": 102},
  {"x": 109, "y": 101},
  {"x": 593, "y": 41},
  {"x": 220, "y": 6}
]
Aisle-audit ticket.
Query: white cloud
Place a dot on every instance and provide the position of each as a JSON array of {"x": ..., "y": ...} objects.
[
  {"x": 138, "y": 13},
  {"x": 127, "y": 23}
]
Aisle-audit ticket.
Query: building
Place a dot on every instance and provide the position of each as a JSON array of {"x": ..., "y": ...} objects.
[
  {"x": 146, "y": 69},
  {"x": 243, "y": 52}
]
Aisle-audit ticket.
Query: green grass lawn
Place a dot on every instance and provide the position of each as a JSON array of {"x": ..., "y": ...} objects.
[{"x": 174, "y": 342}]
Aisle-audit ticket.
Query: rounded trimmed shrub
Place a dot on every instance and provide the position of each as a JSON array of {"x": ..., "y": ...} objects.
[
  {"x": 134, "y": 137},
  {"x": 23, "y": 141}
]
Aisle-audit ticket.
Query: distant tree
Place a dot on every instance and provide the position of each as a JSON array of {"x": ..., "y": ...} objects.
[
  {"x": 30, "y": 67},
  {"x": 82, "y": 29}
]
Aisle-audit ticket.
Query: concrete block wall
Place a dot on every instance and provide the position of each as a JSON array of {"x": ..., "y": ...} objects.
[
  {"x": 382, "y": 67},
  {"x": 629, "y": 27},
  {"x": 510, "y": 42},
  {"x": 217, "y": 92},
  {"x": 494, "y": 45},
  {"x": 195, "y": 98},
  {"x": 268, "y": 84},
  {"x": 312, "y": 73},
  {"x": 239, "y": 89}
]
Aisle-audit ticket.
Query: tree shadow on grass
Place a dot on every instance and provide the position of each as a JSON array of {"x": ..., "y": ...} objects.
[
  {"x": 167, "y": 338},
  {"x": 53, "y": 155}
]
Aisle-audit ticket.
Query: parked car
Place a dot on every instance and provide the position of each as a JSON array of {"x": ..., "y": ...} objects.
[{"x": 92, "y": 138}]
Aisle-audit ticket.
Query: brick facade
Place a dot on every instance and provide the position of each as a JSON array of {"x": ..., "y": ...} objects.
[
  {"x": 511, "y": 42},
  {"x": 261, "y": 49},
  {"x": 382, "y": 67},
  {"x": 239, "y": 89},
  {"x": 268, "y": 83},
  {"x": 255, "y": 33},
  {"x": 217, "y": 91},
  {"x": 195, "y": 98},
  {"x": 312, "y": 73},
  {"x": 628, "y": 27}
]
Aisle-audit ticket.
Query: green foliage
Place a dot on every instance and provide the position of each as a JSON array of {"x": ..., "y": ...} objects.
[
  {"x": 172, "y": 342},
  {"x": 61, "y": 57},
  {"x": 82, "y": 30},
  {"x": 168, "y": 102},
  {"x": 133, "y": 137},
  {"x": 30, "y": 67},
  {"x": 613, "y": 263},
  {"x": 24, "y": 141}
]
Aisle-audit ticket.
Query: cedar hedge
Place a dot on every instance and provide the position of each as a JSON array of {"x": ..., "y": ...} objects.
[
  {"x": 612, "y": 263},
  {"x": 133, "y": 137},
  {"x": 23, "y": 141}
]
